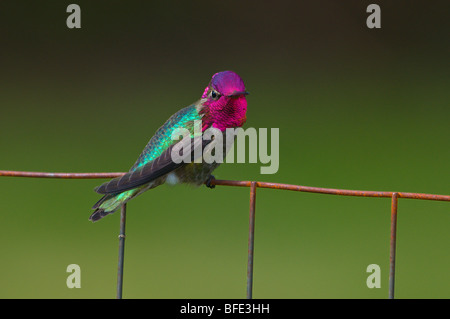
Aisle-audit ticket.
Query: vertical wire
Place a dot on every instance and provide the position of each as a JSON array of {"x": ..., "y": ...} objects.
[
  {"x": 123, "y": 215},
  {"x": 251, "y": 240},
  {"x": 394, "y": 203}
]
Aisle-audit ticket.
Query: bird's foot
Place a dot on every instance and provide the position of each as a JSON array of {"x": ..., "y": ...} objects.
[{"x": 209, "y": 180}]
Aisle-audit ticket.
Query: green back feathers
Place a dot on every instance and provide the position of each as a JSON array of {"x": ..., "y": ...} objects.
[{"x": 163, "y": 137}]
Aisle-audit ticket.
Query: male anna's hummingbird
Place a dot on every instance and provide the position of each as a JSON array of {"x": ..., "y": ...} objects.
[{"x": 223, "y": 105}]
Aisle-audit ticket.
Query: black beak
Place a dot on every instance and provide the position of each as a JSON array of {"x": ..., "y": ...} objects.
[{"x": 238, "y": 93}]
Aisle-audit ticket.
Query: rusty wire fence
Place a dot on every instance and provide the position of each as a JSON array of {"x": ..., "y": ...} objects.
[{"x": 253, "y": 185}]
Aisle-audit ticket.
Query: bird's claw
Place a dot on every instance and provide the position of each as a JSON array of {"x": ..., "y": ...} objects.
[{"x": 208, "y": 182}]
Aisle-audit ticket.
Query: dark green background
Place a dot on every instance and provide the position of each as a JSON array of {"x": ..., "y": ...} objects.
[{"x": 357, "y": 108}]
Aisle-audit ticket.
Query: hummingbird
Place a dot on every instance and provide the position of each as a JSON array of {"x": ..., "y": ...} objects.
[{"x": 222, "y": 105}]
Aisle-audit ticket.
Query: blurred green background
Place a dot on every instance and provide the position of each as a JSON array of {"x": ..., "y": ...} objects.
[{"x": 357, "y": 108}]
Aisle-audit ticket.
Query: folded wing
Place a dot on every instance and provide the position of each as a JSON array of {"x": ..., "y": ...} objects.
[{"x": 186, "y": 151}]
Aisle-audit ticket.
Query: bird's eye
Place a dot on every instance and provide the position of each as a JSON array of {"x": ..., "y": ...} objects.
[{"x": 214, "y": 94}]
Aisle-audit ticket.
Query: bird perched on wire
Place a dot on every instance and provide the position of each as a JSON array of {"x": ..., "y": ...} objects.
[{"x": 222, "y": 105}]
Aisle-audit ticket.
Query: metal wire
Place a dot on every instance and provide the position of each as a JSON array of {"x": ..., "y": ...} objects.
[
  {"x": 253, "y": 185},
  {"x": 60, "y": 175},
  {"x": 123, "y": 217},
  {"x": 394, "y": 203},
  {"x": 251, "y": 240}
]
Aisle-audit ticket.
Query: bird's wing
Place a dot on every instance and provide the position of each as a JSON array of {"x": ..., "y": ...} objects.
[
  {"x": 162, "y": 139},
  {"x": 158, "y": 167}
]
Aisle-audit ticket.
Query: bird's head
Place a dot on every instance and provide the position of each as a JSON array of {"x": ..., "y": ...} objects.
[{"x": 225, "y": 103}]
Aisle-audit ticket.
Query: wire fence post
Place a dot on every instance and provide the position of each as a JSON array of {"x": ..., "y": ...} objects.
[
  {"x": 123, "y": 216},
  {"x": 251, "y": 240},
  {"x": 394, "y": 203}
]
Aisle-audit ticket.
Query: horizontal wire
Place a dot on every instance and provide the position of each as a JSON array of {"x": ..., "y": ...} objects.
[
  {"x": 60, "y": 175},
  {"x": 298, "y": 188},
  {"x": 332, "y": 191}
]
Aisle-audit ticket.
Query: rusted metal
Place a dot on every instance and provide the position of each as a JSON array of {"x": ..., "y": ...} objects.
[
  {"x": 123, "y": 217},
  {"x": 332, "y": 191},
  {"x": 60, "y": 175},
  {"x": 424, "y": 196},
  {"x": 298, "y": 188},
  {"x": 394, "y": 204},
  {"x": 251, "y": 240}
]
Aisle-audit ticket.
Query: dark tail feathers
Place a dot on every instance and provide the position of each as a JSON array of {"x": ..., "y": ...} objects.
[{"x": 98, "y": 214}]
